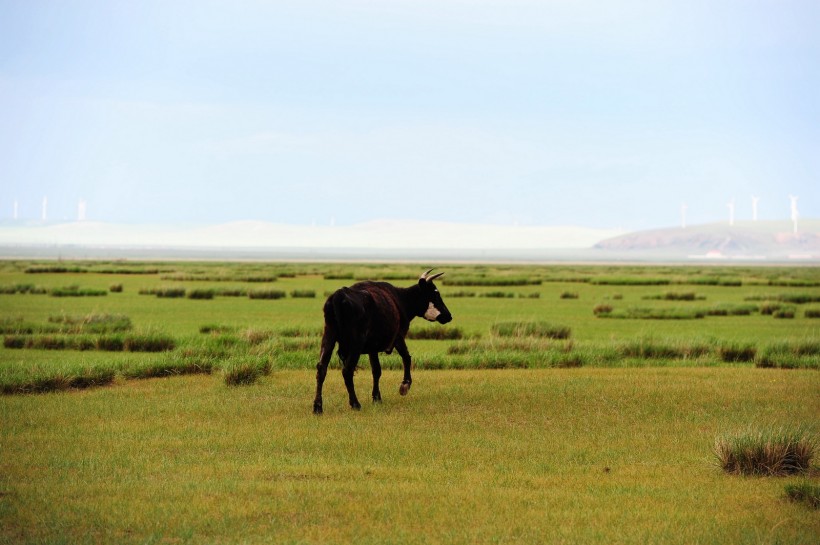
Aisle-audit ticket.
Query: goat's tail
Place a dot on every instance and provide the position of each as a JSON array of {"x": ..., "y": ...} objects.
[{"x": 341, "y": 317}]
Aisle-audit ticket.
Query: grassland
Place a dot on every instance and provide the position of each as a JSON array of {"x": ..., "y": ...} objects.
[{"x": 537, "y": 420}]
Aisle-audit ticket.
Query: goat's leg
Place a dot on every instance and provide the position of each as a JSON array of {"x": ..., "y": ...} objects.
[
  {"x": 328, "y": 342},
  {"x": 376, "y": 367},
  {"x": 407, "y": 381},
  {"x": 350, "y": 363}
]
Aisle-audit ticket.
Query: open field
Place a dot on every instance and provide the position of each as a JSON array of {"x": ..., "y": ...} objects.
[{"x": 565, "y": 404}]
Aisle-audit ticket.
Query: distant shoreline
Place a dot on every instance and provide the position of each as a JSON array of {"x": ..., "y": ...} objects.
[{"x": 365, "y": 255}]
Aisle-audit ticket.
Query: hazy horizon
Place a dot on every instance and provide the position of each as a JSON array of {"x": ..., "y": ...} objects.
[{"x": 605, "y": 116}]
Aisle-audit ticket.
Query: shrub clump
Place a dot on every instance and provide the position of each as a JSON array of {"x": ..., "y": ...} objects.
[
  {"x": 603, "y": 308},
  {"x": 770, "y": 452},
  {"x": 629, "y": 281},
  {"x": 110, "y": 342},
  {"x": 790, "y": 355},
  {"x": 784, "y": 312},
  {"x": 245, "y": 371},
  {"x": 495, "y": 281},
  {"x": 499, "y": 294},
  {"x": 304, "y": 294},
  {"x": 649, "y": 348},
  {"x": 52, "y": 381},
  {"x": 732, "y": 310},
  {"x": 737, "y": 352},
  {"x": 675, "y": 296},
  {"x": 642, "y": 313},
  {"x": 22, "y": 288},
  {"x": 148, "y": 342},
  {"x": 266, "y": 294},
  {"x": 436, "y": 333},
  {"x": 77, "y": 291},
  {"x": 804, "y": 492},
  {"x": 214, "y": 329},
  {"x": 201, "y": 294},
  {"x": 531, "y": 329},
  {"x": 461, "y": 293},
  {"x": 91, "y": 323},
  {"x": 169, "y": 293},
  {"x": 768, "y": 308}
]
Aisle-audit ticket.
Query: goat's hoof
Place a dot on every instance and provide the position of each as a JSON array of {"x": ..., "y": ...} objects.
[
  {"x": 404, "y": 388},
  {"x": 356, "y": 406},
  {"x": 317, "y": 408}
]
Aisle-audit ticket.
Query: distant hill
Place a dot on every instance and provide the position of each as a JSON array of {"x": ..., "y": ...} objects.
[{"x": 743, "y": 240}]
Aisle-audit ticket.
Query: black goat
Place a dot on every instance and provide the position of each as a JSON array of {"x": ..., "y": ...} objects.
[{"x": 373, "y": 317}]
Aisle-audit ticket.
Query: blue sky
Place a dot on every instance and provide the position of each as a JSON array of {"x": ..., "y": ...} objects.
[{"x": 597, "y": 114}]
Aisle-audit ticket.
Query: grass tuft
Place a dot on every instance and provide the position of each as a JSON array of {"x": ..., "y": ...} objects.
[
  {"x": 737, "y": 352},
  {"x": 658, "y": 349},
  {"x": 804, "y": 492},
  {"x": 266, "y": 294},
  {"x": 531, "y": 329},
  {"x": 201, "y": 294},
  {"x": 245, "y": 371},
  {"x": 645, "y": 313},
  {"x": 91, "y": 323},
  {"x": 790, "y": 355},
  {"x": 46, "y": 379},
  {"x": 766, "y": 452},
  {"x": 436, "y": 333},
  {"x": 303, "y": 294},
  {"x": 675, "y": 296},
  {"x": 77, "y": 291}
]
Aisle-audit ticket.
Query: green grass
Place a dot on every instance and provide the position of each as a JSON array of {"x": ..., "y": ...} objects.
[
  {"x": 508, "y": 435},
  {"x": 582, "y": 456}
]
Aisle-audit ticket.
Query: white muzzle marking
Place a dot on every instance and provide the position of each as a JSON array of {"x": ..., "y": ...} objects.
[{"x": 432, "y": 313}]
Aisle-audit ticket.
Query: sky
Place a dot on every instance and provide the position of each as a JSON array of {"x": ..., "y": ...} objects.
[{"x": 508, "y": 112}]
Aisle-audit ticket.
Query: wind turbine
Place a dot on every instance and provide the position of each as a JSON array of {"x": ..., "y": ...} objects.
[
  {"x": 81, "y": 210},
  {"x": 795, "y": 213},
  {"x": 45, "y": 209},
  {"x": 683, "y": 208},
  {"x": 731, "y": 206},
  {"x": 754, "y": 207},
  {"x": 16, "y": 207}
]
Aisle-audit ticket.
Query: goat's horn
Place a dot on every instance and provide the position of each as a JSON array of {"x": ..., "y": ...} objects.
[
  {"x": 424, "y": 276},
  {"x": 431, "y": 278}
]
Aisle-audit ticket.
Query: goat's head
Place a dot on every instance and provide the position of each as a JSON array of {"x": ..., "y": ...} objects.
[{"x": 436, "y": 309}]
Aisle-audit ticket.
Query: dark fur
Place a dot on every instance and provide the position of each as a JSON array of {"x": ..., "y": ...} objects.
[{"x": 368, "y": 318}]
